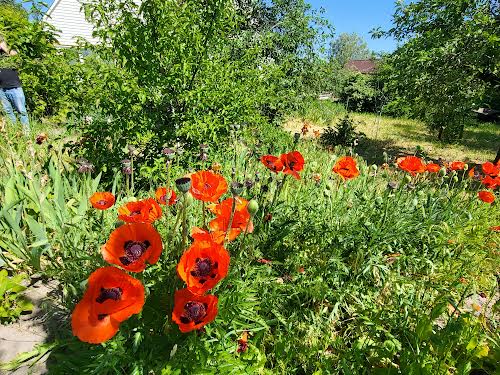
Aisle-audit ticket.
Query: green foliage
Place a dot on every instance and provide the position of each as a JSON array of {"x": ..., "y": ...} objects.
[
  {"x": 46, "y": 73},
  {"x": 211, "y": 66},
  {"x": 12, "y": 303},
  {"x": 344, "y": 134},
  {"x": 359, "y": 93},
  {"x": 348, "y": 47},
  {"x": 449, "y": 60}
]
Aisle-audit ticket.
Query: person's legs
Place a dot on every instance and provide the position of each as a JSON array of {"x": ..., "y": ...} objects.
[
  {"x": 17, "y": 99},
  {"x": 7, "y": 107}
]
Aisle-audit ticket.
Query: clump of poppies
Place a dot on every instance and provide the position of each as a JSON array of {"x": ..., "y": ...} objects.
[{"x": 290, "y": 163}]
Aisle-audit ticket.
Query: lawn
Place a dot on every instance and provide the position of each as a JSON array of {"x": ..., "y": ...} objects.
[{"x": 398, "y": 136}]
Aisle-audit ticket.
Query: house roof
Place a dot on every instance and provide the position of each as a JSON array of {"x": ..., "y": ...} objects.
[{"x": 362, "y": 66}]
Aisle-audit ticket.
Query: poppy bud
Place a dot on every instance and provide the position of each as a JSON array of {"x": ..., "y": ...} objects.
[
  {"x": 379, "y": 200},
  {"x": 442, "y": 172},
  {"x": 393, "y": 185},
  {"x": 374, "y": 167},
  {"x": 296, "y": 137},
  {"x": 386, "y": 157},
  {"x": 455, "y": 178},
  {"x": 183, "y": 184},
  {"x": 236, "y": 188},
  {"x": 253, "y": 207},
  {"x": 188, "y": 199},
  {"x": 414, "y": 202},
  {"x": 407, "y": 178},
  {"x": 466, "y": 167},
  {"x": 169, "y": 153}
]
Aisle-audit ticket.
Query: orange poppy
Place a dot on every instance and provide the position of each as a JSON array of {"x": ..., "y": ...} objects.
[
  {"x": 486, "y": 196},
  {"x": 472, "y": 172},
  {"x": 346, "y": 167},
  {"x": 111, "y": 297},
  {"x": 241, "y": 218},
  {"x": 192, "y": 311},
  {"x": 272, "y": 162},
  {"x": 132, "y": 245},
  {"x": 412, "y": 164},
  {"x": 490, "y": 169},
  {"x": 491, "y": 182},
  {"x": 293, "y": 162},
  {"x": 203, "y": 265},
  {"x": 145, "y": 211},
  {"x": 457, "y": 166},
  {"x": 432, "y": 168},
  {"x": 199, "y": 234},
  {"x": 207, "y": 186},
  {"x": 162, "y": 196},
  {"x": 102, "y": 200}
]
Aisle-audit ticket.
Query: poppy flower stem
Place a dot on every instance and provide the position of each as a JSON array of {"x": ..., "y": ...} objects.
[
  {"x": 132, "y": 173},
  {"x": 184, "y": 226},
  {"x": 233, "y": 209},
  {"x": 203, "y": 213}
]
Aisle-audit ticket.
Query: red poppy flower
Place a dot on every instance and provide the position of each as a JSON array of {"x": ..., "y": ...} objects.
[
  {"x": 457, "y": 166},
  {"x": 272, "y": 162},
  {"x": 241, "y": 218},
  {"x": 491, "y": 182},
  {"x": 495, "y": 229},
  {"x": 346, "y": 167},
  {"x": 192, "y": 311},
  {"x": 412, "y": 164},
  {"x": 293, "y": 162},
  {"x": 432, "y": 168},
  {"x": 162, "y": 196},
  {"x": 199, "y": 234},
  {"x": 486, "y": 196},
  {"x": 145, "y": 211},
  {"x": 203, "y": 265},
  {"x": 132, "y": 245},
  {"x": 207, "y": 186},
  {"x": 102, "y": 201},
  {"x": 490, "y": 169},
  {"x": 111, "y": 297}
]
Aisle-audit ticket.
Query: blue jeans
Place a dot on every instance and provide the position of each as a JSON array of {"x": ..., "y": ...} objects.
[{"x": 14, "y": 99}]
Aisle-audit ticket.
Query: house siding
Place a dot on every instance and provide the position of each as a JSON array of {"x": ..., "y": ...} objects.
[{"x": 68, "y": 17}]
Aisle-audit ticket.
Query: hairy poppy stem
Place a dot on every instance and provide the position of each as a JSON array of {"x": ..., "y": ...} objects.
[
  {"x": 242, "y": 243},
  {"x": 132, "y": 173},
  {"x": 233, "y": 209},
  {"x": 184, "y": 226},
  {"x": 203, "y": 213}
]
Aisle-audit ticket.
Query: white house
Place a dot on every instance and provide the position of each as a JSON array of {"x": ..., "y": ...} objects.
[{"x": 68, "y": 17}]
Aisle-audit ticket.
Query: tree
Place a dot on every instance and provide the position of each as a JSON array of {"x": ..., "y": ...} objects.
[
  {"x": 449, "y": 58},
  {"x": 349, "y": 47}
]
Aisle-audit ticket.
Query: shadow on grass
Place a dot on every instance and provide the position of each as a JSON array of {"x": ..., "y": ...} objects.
[{"x": 372, "y": 150}]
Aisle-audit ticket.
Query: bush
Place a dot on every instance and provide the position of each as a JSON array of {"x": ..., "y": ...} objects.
[{"x": 344, "y": 134}]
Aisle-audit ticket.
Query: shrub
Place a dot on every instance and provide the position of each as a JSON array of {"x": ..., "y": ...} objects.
[{"x": 344, "y": 134}]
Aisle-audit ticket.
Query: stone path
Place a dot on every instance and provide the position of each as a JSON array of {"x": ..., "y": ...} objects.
[{"x": 23, "y": 335}]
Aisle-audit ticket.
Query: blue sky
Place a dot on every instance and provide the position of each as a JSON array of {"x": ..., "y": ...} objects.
[{"x": 360, "y": 16}]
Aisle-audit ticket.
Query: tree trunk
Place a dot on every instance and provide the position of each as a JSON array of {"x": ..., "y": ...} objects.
[{"x": 497, "y": 158}]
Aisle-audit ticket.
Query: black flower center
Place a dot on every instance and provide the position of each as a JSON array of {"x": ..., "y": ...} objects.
[
  {"x": 204, "y": 268},
  {"x": 102, "y": 202},
  {"x": 133, "y": 251},
  {"x": 291, "y": 164},
  {"x": 135, "y": 213},
  {"x": 194, "y": 312},
  {"x": 111, "y": 293}
]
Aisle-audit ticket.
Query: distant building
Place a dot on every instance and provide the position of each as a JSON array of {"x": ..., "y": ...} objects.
[
  {"x": 68, "y": 17},
  {"x": 362, "y": 66}
]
